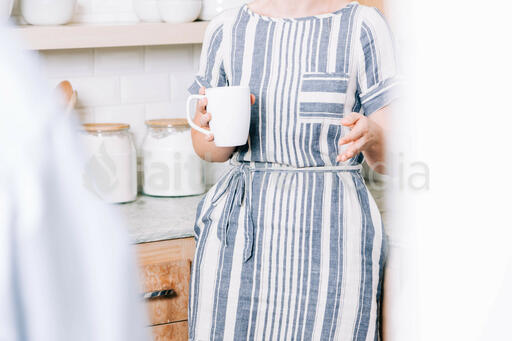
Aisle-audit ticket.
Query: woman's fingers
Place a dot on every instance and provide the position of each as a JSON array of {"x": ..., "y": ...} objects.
[
  {"x": 356, "y": 133},
  {"x": 201, "y": 107},
  {"x": 357, "y": 137},
  {"x": 352, "y": 150},
  {"x": 201, "y": 104},
  {"x": 253, "y": 99},
  {"x": 351, "y": 119},
  {"x": 204, "y": 119}
]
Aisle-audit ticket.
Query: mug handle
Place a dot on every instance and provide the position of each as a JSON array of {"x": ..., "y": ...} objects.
[{"x": 189, "y": 117}]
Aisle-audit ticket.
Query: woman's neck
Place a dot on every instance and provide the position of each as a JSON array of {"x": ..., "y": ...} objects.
[{"x": 295, "y": 8}]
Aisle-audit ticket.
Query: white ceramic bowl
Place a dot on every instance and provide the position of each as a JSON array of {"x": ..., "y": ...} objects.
[
  {"x": 212, "y": 8},
  {"x": 147, "y": 10},
  {"x": 179, "y": 11},
  {"x": 48, "y": 12},
  {"x": 5, "y": 9}
]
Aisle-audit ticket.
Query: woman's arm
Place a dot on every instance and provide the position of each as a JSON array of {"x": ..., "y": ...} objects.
[
  {"x": 367, "y": 135},
  {"x": 203, "y": 144}
]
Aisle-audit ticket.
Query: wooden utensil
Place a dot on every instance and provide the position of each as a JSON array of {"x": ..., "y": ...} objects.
[{"x": 68, "y": 94}]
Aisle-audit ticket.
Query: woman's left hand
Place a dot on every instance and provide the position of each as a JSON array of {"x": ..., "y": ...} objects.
[{"x": 364, "y": 134}]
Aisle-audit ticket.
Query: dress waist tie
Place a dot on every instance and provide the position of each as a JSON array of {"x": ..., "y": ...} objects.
[{"x": 238, "y": 186}]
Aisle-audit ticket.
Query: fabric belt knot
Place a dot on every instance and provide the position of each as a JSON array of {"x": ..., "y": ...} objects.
[{"x": 238, "y": 187}]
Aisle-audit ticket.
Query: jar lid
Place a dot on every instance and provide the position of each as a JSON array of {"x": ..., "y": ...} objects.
[
  {"x": 105, "y": 127},
  {"x": 167, "y": 123}
]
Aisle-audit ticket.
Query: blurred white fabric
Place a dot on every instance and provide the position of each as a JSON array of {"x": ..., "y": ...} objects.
[
  {"x": 454, "y": 281},
  {"x": 67, "y": 269}
]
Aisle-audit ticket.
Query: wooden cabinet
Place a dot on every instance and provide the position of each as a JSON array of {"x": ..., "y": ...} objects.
[
  {"x": 166, "y": 276},
  {"x": 171, "y": 332},
  {"x": 165, "y": 265}
]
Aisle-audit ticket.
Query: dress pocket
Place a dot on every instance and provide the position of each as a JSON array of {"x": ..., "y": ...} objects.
[{"x": 322, "y": 96}]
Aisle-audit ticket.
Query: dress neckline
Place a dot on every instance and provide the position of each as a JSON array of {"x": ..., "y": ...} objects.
[{"x": 291, "y": 19}]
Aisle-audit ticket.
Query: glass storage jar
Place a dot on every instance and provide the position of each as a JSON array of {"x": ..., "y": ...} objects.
[
  {"x": 110, "y": 171},
  {"x": 171, "y": 167}
]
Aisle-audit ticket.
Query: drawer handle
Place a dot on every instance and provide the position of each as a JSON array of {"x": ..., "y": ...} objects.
[{"x": 160, "y": 293}]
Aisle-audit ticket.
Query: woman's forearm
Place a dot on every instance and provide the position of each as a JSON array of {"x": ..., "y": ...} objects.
[{"x": 375, "y": 154}]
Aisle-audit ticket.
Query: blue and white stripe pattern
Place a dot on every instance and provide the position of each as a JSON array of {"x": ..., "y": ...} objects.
[{"x": 289, "y": 244}]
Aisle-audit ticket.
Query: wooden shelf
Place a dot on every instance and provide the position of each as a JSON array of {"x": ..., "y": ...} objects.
[{"x": 93, "y": 36}]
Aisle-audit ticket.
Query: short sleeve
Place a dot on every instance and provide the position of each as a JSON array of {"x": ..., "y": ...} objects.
[
  {"x": 211, "y": 66},
  {"x": 377, "y": 75}
]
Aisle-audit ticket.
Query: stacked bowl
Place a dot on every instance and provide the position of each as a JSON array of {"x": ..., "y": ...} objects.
[{"x": 170, "y": 11}]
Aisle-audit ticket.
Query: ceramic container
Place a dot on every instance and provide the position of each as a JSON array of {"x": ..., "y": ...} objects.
[
  {"x": 212, "y": 8},
  {"x": 147, "y": 10},
  {"x": 171, "y": 167},
  {"x": 179, "y": 11},
  {"x": 110, "y": 170},
  {"x": 48, "y": 12}
]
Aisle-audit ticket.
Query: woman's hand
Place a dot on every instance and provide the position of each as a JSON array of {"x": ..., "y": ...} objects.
[
  {"x": 204, "y": 146},
  {"x": 203, "y": 118},
  {"x": 366, "y": 135}
]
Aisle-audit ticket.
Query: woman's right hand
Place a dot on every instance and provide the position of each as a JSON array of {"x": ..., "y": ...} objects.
[
  {"x": 202, "y": 118},
  {"x": 203, "y": 143}
]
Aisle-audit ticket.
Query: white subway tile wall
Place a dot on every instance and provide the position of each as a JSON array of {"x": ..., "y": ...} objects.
[
  {"x": 180, "y": 93},
  {"x": 174, "y": 110},
  {"x": 144, "y": 82},
  {"x": 85, "y": 114},
  {"x": 129, "y": 84},
  {"x": 95, "y": 91},
  {"x": 182, "y": 59},
  {"x": 68, "y": 63},
  {"x": 118, "y": 60},
  {"x": 144, "y": 88}
]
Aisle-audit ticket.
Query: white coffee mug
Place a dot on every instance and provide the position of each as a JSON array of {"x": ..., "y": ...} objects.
[{"x": 230, "y": 108}]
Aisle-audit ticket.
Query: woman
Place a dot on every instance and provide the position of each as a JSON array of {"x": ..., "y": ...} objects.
[{"x": 289, "y": 241}]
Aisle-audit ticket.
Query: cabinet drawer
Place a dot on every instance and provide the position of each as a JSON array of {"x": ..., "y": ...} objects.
[
  {"x": 166, "y": 276},
  {"x": 164, "y": 266},
  {"x": 171, "y": 332}
]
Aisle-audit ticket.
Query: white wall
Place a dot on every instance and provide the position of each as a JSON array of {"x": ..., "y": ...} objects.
[{"x": 128, "y": 85}]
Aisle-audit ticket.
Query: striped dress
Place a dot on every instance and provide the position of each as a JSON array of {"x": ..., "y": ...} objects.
[{"x": 289, "y": 242}]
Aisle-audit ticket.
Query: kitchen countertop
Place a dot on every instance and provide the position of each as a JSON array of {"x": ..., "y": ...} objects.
[{"x": 152, "y": 219}]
